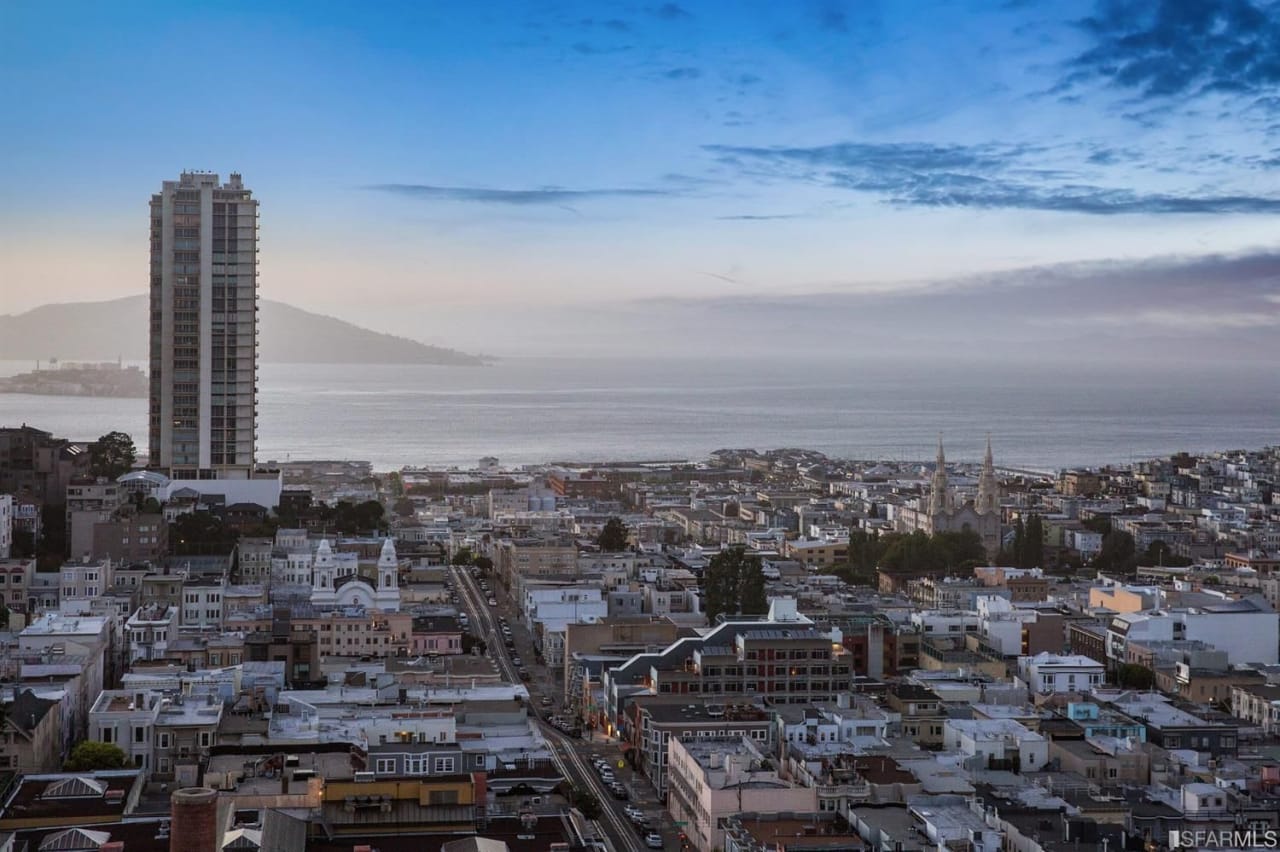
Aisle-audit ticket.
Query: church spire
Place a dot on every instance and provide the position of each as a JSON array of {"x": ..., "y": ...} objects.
[
  {"x": 939, "y": 496},
  {"x": 988, "y": 502}
]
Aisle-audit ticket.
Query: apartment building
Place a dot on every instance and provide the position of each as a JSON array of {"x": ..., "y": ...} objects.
[
  {"x": 90, "y": 502},
  {"x": 132, "y": 537},
  {"x": 654, "y": 721},
  {"x": 202, "y": 605},
  {"x": 713, "y": 778},
  {"x": 30, "y": 733},
  {"x": 81, "y": 581},
  {"x": 149, "y": 630},
  {"x": 15, "y": 585},
  {"x": 1048, "y": 673},
  {"x": 523, "y": 558},
  {"x": 204, "y": 327}
]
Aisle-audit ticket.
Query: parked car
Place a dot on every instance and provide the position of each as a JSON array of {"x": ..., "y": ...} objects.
[
  {"x": 546, "y": 701},
  {"x": 653, "y": 840},
  {"x": 619, "y": 792},
  {"x": 632, "y": 812}
]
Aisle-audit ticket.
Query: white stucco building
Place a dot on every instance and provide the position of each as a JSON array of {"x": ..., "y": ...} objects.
[{"x": 1048, "y": 673}]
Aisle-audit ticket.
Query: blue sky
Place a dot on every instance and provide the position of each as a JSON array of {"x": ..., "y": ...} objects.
[{"x": 420, "y": 165}]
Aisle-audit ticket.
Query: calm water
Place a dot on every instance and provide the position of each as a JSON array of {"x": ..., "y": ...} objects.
[{"x": 538, "y": 410}]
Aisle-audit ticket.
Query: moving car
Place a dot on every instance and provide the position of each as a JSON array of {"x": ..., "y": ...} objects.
[{"x": 653, "y": 840}]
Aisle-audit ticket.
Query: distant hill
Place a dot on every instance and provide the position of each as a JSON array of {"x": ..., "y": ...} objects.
[{"x": 118, "y": 328}]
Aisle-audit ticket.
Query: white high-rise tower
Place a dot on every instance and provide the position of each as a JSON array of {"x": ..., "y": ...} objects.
[{"x": 204, "y": 327}]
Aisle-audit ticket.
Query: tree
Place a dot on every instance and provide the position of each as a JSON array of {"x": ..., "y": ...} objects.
[
  {"x": 395, "y": 484},
  {"x": 24, "y": 544},
  {"x": 586, "y": 803},
  {"x": 463, "y": 557},
  {"x": 89, "y": 755},
  {"x": 4, "y": 618},
  {"x": 733, "y": 583},
  {"x": 112, "y": 455},
  {"x": 1117, "y": 553},
  {"x": 1159, "y": 553},
  {"x": 865, "y": 551},
  {"x": 613, "y": 538},
  {"x": 1134, "y": 676},
  {"x": 403, "y": 507},
  {"x": 484, "y": 563},
  {"x": 200, "y": 534},
  {"x": 1032, "y": 553}
]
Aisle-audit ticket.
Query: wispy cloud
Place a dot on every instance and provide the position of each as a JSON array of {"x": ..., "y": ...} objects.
[
  {"x": 758, "y": 217},
  {"x": 684, "y": 73},
  {"x": 517, "y": 197},
  {"x": 979, "y": 176},
  {"x": 670, "y": 12},
  {"x": 1165, "y": 48}
]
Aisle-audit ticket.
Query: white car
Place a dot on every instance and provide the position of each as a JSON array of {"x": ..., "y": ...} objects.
[{"x": 653, "y": 840}]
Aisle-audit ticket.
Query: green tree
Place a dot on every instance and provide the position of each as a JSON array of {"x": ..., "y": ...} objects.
[
  {"x": 200, "y": 534},
  {"x": 865, "y": 551},
  {"x": 112, "y": 455},
  {"x": 586, "y": 803},
  {"x": 484, "y": 563},
  {"x": 4, "y": 620},
  {"x": 89, "y": 755},
  {"x": 613, "y": 537},
  {"x": 959, "y": 548},
  {"x": 24, "y": 544},
  {"x": 1159, "y": 553},
  {"x": 1117, "y": 554},
  {"x": 1032, "y": 553},
  {"x": 1134, "y": 676},
  {"x": 395, "y": 484},
  {"x": 403, "y": 507},
  {"x": 733, "y": 583}
]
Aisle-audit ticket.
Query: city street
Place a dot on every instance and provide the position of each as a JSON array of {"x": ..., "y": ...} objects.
[{"x": 573, "y": 756}]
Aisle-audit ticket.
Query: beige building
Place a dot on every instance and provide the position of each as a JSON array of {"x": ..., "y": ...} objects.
[
  {"x": 713, "y": 778},
  {"x": 1124, "y": 598},
  {"x": 204, "y": 327},
  {"x": 521, "y": 558}
]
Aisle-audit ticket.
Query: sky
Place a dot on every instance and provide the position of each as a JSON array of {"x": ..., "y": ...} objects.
[{"x": 578, "y": 177}]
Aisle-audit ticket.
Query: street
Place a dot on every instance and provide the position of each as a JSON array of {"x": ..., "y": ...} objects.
[{"x": 572, "y": 755}]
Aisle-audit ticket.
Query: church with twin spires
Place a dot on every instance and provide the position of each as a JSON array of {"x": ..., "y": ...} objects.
[
  {"x": 942, "y": 512},
  {"x": 330, "y": 590}
]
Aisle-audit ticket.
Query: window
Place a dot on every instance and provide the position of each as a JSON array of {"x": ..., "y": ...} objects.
[
  {"x": 139, "y": 735},
  {"x": 162, "y": 740},
  {"x": 108, "y": 735},
  {"x": 206, "y": 739},
  {"x": 443, "y": 764},
  {"x": 385, "y": 766}
]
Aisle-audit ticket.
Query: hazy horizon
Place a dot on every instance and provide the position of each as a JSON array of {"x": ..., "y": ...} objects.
[{"x": 1027, "y": 179}]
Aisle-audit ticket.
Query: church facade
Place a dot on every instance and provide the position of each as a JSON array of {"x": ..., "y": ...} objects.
[
  {"x": 335, "y": 586},
  {"x": 940, "y": 511}
]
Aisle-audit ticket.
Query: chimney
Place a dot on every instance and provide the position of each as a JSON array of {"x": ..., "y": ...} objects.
[{"x": 194, "y": 820}]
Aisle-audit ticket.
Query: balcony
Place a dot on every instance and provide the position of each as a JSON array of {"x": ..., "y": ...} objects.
[{"x": 853, "y": 790}]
